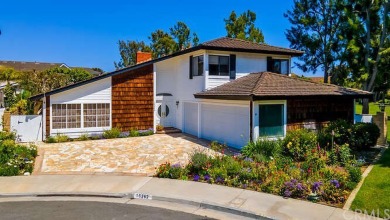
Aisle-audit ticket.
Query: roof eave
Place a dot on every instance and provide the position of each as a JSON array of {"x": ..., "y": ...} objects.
[{"x": 292, "y": 53}]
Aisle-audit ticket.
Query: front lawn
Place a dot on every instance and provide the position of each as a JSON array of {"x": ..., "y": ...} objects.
[
  {"x": 374, "y": 195},
  {"x": 304, "y": 165},
  {"x": 15, "y": 159}
]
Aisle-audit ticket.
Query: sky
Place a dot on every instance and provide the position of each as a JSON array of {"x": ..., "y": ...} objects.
[{"x": 86, "y": 33}]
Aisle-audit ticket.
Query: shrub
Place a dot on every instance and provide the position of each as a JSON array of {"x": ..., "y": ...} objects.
[
  {"x": 134, "y": 133},
  {"x": 198, "y": 162},
  {"x": 265, "y": 147},
  {"x": 298, "y": 142},
  {"x": 342, "y": 130},
  {"x": 4, "y": 135},
  {"x": 146, "y": 133},
  {"x": 232, "y": 166},
  {"x": 61, "y": 138},
  {"x": 83, "y": 137},
  {"x": 167, "y": 170},
  {"x": 215, "y": 146},
  {"x": 354, "y": 174},
  {"x": 294, "y": 189},
  {"x": 51, "y": 139},
  {"x": 340, "y": 155},
  {"x": 364, "y": 135},
  {"x": 112, "y": 133}
]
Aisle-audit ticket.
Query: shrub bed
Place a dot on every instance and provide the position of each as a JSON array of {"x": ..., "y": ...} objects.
[
  {"x": 15, "y": 159},
  {"x": 303, "y": 165}
]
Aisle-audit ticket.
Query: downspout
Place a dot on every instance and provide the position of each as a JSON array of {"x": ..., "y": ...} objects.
[{"x": 251, "y": 118}]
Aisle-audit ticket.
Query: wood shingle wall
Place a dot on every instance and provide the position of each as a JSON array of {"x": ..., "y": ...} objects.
[
  {"x": 132, "y": 99},
  {"x": 318, "y": 112}
]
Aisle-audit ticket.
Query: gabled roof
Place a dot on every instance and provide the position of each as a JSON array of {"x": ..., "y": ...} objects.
[
  {"x": 267, "y": 85},
  {"x": 220, "y": 44},
  {"x": 40, "y": 66}
]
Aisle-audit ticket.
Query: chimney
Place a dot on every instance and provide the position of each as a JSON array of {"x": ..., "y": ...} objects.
[{"x": 143, "y": 57}]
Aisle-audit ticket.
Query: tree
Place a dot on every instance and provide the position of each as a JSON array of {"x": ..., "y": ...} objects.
[
  {"x": 128, "y": 51},
  {"x": 243, "y": 27},
  {"x": 316, "y": 29},
  {"x": 162, "y": 44},
  {"x": 8, "y": 74},
  {"x": 182, "y": 34},
  {"x": 367, "y": 29}
]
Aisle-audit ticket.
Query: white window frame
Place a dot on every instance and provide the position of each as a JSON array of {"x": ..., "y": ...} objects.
[
  {"x": 82, "y": 129},
  {"x": 280, "y": 60},
  {"x": 256, "y": 115}
]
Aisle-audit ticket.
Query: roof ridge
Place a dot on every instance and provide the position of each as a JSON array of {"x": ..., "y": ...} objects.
[{"x": 257, "y": 81}]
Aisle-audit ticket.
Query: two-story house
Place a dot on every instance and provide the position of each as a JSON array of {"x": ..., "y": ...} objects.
[{"x": 227, "y": 90}]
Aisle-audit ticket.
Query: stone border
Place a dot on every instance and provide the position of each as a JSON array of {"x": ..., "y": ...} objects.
[{"x": 354, "y": 192}]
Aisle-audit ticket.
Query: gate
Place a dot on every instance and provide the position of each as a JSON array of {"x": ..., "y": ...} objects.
[{"x": 28, "y": 128}]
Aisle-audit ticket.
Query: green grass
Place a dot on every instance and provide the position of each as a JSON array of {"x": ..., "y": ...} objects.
[
  {"x": 374, "y": 108},
  {"x": 374, "y": 194}
]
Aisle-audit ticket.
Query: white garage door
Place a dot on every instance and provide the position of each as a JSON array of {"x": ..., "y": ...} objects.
[
  {"x": 191, "y": 118},
  {"x": 225, "y": 124}
]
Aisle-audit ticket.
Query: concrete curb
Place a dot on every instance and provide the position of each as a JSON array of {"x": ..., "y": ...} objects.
[{"x": 202, "y": 204}]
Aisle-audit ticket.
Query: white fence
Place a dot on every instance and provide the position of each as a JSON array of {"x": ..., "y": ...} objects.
[{"x": 28, "y": 128}]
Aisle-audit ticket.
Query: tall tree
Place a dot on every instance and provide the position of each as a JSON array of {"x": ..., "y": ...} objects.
[
  {"x": 182, "y": 34},
  {"x": 128, "y": 51},
  {"x": 162, "y": 43},
  {"x": 367, "y": 29},
  {"x": 316, "y": 30},
  {"x": 243, "y": 27}
]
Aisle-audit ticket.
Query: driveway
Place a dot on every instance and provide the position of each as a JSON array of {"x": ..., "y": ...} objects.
[{"x": 135, "y": 155}]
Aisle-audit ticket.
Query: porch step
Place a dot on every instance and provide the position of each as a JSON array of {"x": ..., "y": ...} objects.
[{"x": 169, "y": 130}]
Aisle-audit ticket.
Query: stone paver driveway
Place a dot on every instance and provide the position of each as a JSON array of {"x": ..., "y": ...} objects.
[{"x": 136, "y": 155}]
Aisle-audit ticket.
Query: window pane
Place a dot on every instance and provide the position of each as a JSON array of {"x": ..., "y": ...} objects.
[
  {"x": 213, "y": 69},
  {"x": 271, "y": 121},
  {"x": 284, "y": 67},
  {"x": 195, "y": 66},
  {"x": 213, "y": 59},
  {"x": 224, "y": 66},
  {"x": 200, "y": 65},
  {"x": 277, "y": 68}
]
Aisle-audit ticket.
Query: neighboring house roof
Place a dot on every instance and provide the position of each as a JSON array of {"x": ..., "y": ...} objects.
[
  {"x": 267, "y": 85},
  {"x": 221, "y": 44},
  {"x": 40, "y": 66}
]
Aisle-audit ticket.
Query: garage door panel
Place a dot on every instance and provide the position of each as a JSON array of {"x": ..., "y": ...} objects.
[
  {"x": 226, "y": 124},
  {"x": 191, "y": 118}
]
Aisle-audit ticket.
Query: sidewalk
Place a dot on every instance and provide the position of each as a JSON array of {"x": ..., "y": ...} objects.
[{"x": 211, "y": 196}]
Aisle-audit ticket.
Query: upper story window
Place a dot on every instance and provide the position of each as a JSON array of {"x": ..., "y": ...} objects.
[
  {"x": 278, "y": 65},
  {"x": 197, "y": 65},
  {"x": 218, "y": 65}
]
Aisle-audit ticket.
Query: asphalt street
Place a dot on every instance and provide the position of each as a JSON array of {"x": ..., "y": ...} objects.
[{"x": 44, "y": 210}]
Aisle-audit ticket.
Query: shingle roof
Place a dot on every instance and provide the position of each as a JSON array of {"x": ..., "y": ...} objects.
[
  {"x": 267, "y": 85},
  {"x": 40, "y": 66},
  {"x": 248, "y": 46}
]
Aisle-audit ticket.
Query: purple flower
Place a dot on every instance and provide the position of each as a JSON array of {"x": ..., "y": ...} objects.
[
  {"x": 248, "y": 159},
  {"x": 219, "y": 180},
  {"x": 316, "y": 186},
  {"x": 196, "y": 177},
  {"x": 176, "y": 165},
  {"x": 294, "y": 181},
  {"x": 244, "y": 186},
  {"x": 26, "y": 159},
  {"x": 206, "y": 177},
  {"x": 287, "y": 193},
  {"x": 300, "y": 187},
  {"x": 335, "y": 183}
]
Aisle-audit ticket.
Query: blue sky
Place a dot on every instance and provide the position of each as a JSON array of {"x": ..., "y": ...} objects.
[{"x": 85, "y": 33}]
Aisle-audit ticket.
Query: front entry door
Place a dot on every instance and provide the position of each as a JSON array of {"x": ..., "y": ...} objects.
[{"x": 165, "y": 113}]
